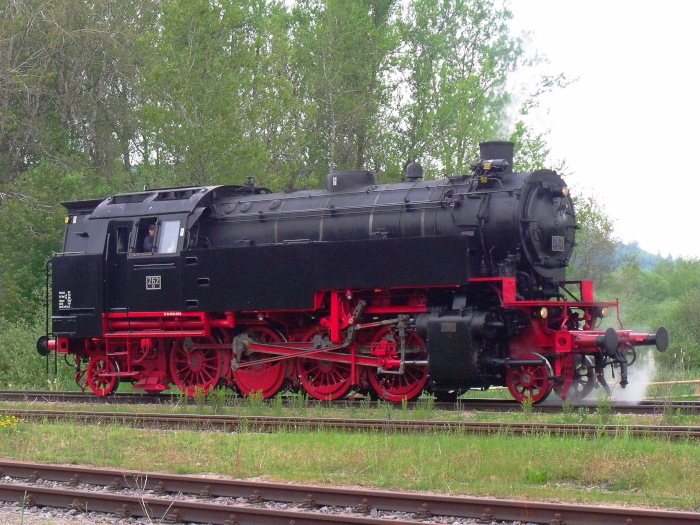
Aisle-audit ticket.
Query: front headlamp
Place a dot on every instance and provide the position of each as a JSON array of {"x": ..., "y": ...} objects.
[{"x": 541, "y": 313}]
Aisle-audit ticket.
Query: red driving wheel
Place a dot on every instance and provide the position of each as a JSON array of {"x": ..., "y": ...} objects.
[
  {"x": 409, "y": 384},
  {"x": 257, "y": 375},
  {"x": 100, "y": 375},
  {"x": 195, "y": 371},
  {"x": 583, "y": 378},
  {"x": 323, "y": 379}
]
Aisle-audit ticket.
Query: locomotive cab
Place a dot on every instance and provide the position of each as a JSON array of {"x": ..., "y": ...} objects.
[{"x": 102, "y": 268}]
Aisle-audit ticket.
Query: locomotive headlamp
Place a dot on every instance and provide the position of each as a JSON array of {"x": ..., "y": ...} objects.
[
  {"x": 542, "y": 313},
  {"x": 602, "y": 311},
  {"x": 565, "y": 191},
  {"x": 495, "y": 165}
]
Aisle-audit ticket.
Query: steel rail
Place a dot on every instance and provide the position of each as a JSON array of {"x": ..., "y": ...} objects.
[
  {"x": 360, "y": 501},
  {"x": 654, "y": 407},
  {"x": 174, "y": 511},
  {"x": 232, "y": 423}
]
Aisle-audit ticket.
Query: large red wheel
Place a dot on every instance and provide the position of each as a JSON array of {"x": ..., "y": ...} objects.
[
  {"x": 257, "y": 376},
  {"x": 584, "y": 379},
  {"x": 322, "y": 379},
  {"x": 530, "y": 382},
  {"x": 195, "y": 371},
  {"x": 410, "y": 384},
  {"x": 100, "y": 375}
]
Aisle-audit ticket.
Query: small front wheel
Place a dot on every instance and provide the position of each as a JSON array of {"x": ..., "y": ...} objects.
[
  {"x": 530, "y": 382},
  {"x": 101, "y": 376}
]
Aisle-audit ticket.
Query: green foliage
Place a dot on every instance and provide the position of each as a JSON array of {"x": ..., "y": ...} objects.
[
  {"x": 536, "y": 476},
  {"x": 213, "y": 92},
  {"x": 342, "y": 63},
  {"x": 595, "y": 241},
  {"x": 604, "y": 408},
  {"x": 217, "y": 93},
  {"x": 21, "y": 367},
  {"x": 532, "y": 151},
  {"x": 684, "y": 326},
  {"x": 458, "y": 57},
  {"x": 667, "y": 296},
  {"x": 66, "y": 83},
  {"x": 159, "y": 93}
]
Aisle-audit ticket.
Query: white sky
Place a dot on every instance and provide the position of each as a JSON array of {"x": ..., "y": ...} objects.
[{"x": 628, "y": 129}]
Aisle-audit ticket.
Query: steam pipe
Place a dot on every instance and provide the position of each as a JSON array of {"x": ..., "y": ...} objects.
[{"x": 517, "y": 362}]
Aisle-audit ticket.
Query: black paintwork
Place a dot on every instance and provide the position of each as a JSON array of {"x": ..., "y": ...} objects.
[
  {"x": 240, "y": 248},
  {"x": 285, "y": 277}
]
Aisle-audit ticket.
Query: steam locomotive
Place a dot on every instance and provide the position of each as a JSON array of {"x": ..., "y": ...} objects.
[{"x": 385, "y": 289}]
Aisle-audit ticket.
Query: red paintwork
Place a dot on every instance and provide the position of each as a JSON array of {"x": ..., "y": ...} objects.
[{"x": 155, "y": 349}]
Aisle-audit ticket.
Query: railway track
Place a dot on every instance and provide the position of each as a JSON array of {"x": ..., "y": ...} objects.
[
  {"x": 177, "y": 498},
  {"x": 232, "y": 423},
  {"x": 495, "y": 405}
]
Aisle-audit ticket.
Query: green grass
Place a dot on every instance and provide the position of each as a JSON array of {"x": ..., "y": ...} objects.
[
  {"x": 618, "y": 470},
  {"x": 690, "y": 391}
]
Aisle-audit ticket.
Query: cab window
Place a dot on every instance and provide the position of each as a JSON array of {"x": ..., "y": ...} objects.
[
  {"x": 145, "y": 238},
  {"x": 122, "y": 239},
  {"x": 168, "y": 235}
]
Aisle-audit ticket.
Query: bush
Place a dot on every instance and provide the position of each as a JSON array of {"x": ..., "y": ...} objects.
[
  {"x": 21, "y": 368},
  {"x": 669, "y": 296}
]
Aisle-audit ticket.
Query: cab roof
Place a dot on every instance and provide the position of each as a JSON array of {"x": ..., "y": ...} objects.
[{"x": 154, "y": 202}]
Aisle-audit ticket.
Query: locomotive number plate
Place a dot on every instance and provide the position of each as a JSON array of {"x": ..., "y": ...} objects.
[
  {"x": 153, "y": 282},
  {"x": 448, "y": 327},
  {"x": 557, "y": 243}
]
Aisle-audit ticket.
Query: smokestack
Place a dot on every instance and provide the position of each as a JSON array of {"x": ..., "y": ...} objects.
[{"x": 498, "y": 150}]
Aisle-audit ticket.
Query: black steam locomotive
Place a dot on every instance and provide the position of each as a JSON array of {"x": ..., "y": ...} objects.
[{"x": 441, "y": 286}]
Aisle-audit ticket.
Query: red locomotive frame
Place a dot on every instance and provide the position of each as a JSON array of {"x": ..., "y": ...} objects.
[{"x": 198, "y": 351}]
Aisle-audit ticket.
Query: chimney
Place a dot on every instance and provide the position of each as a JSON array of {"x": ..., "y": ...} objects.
[{"x": 498, "y": 150}]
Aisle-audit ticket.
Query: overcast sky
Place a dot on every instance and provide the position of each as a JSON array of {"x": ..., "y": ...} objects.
[{"x": 628, "y": 129}]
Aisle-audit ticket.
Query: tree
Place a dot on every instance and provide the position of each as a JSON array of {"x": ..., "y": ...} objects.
[
  {"x": 456, "y": 57},
  {"x": 685, "y": 326},
  {"x": 592, "y": 258},
  {"x": 67, "y": 71},
  {"x": 67, "y": 129},
  {"x": 218, "y": 101},
  {"x": 342, "y": 51}
]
